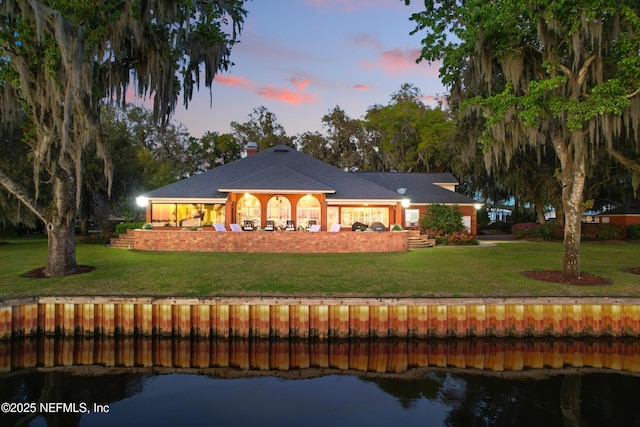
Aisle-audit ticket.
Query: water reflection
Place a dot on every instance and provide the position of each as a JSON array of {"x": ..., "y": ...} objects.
[{"x": 394, "y": 382}]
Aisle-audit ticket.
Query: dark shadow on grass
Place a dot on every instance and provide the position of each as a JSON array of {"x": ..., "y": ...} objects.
[
  {"x": 38, "y": 273},
  {"x": 635, "y": 270},
  {"x": 555, "y": 276}
]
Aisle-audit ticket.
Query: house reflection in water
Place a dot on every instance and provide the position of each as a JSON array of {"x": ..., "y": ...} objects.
[{"x": 454, "y": 382}]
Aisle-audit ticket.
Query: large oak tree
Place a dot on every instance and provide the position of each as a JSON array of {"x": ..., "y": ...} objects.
[
  {"x": 61, "y": 59},
  {"x": 559, "y": 73}
]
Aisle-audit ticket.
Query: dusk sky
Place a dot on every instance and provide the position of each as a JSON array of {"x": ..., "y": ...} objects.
[{"x": 301, "y": 58}]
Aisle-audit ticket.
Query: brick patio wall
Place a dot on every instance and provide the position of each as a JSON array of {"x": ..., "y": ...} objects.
[{"x": 279, "y": 242}]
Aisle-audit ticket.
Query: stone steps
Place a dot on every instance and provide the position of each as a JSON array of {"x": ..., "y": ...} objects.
[
  {"x": 124, "y": 241},
  {"x": 419, "y": 242}
]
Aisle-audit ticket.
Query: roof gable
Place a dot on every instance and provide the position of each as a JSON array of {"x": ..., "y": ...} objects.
[{"x": 278, "y": 178}]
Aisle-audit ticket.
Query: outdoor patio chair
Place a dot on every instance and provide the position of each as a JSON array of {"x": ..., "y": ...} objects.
[
  {"x": 219, "y": 227},
  {"x": 335, "y": 228},
  {"x": 314, "y": 228},
  {"x": 291, "y": 226},
  {"x": 270, "y": 226},
  {"x": 248, "y": 225},
  {"x": 235, "y": 227}
]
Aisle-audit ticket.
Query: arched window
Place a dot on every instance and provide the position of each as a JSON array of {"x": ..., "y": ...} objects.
[
  {"x": 248, "y": 208},
  {"x": 308, "y": 210},
  {"x": 279, "y": 210}
]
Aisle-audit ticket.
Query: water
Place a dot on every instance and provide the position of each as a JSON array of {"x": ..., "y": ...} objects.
[{"x": 311, "y": 383}]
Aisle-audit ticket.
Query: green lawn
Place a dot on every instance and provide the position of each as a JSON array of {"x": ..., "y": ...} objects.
[{"x": 442, "y": 271}]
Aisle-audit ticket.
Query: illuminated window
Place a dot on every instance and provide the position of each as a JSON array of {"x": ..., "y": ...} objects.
[
  {"x": 279, "y": 210},
  {"x": 333, "y": 216},
  {"x": 163, "y": 214},
  {"x": 411, "y": 217},
  {"x": 248, "y": 208},
  {"x": 308, "y": 210},
  {"x": 364, "y": 215}
]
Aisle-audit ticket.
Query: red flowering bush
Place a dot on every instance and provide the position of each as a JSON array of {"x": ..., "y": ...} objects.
[{"x": 524, "y": 229}]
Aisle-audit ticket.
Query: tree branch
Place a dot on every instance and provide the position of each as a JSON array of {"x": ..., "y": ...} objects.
[
  {"x": 623, "y": 160},
  {"x": 631, "y": 95},
  {"x": 21, "y": 194},
  {"x": 582, "y": 74}
]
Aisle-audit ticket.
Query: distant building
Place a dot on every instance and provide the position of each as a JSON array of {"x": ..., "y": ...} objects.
[{"x": 625, "y": 215}]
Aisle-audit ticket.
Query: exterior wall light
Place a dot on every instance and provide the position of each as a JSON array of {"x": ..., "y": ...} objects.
[
  {"x": 142, "y": 201},
  {"x": 478, "y": 206},
  {"x": 405, "y": 203}
]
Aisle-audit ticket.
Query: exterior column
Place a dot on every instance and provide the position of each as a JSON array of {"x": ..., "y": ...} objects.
[
  {"x": 228, "y": 210},
  {"x": 399, "y": 214},
  {"x": 323, "y": 212}
]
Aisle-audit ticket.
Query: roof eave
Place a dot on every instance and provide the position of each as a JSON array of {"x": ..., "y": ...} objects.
[{"x": 273, "y": 191}]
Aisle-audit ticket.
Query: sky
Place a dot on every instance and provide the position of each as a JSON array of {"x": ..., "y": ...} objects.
[{"x": 301, "y": 58}]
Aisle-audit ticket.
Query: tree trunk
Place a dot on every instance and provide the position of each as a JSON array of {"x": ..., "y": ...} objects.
[
  {"x": 539, "y": 210},
  {"x": 574, "y": 167},
  {"x": 572, "y": 232},
  {"x": 61, "y": 259}
]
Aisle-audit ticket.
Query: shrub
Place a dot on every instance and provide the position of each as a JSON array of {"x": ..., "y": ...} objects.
[
  {"x": 523, "y": 229},
  {"x": 548, "y": 231},
  {"x": 461, "y": 239},
  {"x": 438, "y": 235},
  {"x": 602, "y": 232},
  {"x": 396, "y": 227},
  {"x": 633, "y": 231},
  {"x": 447, "y": 219},
  {"x": 123, "y": 227}
]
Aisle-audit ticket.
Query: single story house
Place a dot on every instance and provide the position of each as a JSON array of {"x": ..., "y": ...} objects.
[
  {"x": 624, "y": 215},
  {"x": 282, "y": 187}
]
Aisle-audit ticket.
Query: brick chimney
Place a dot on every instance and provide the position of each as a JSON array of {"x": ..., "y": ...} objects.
[{"x": 252, "y": 148}]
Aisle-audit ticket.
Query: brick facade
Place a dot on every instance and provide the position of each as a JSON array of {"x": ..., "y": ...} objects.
[{"x": 280, "y": 242}]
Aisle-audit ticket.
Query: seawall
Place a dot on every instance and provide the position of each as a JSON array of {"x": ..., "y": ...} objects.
[{"x": 322, "y": 318}]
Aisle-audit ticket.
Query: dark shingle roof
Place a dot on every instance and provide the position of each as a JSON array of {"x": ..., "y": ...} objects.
[
  {"x": 420, "y": 187},
  {"x": 631, "y": 208},
  {"x": 253, "y": 172},
  {"x": 284, "y": 169}
]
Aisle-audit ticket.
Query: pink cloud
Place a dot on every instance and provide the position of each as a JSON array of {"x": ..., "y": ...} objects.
[
  {"x": 361, "y": 87},
  {"x": 295, "y": 97},
  {"x": 399, "y": 60},
  {"x": 234, "y": 81},
  {"x": 434, "y": 100},
  {"x": 285, "y": 95},
  {"x": 300, "y": 84}
]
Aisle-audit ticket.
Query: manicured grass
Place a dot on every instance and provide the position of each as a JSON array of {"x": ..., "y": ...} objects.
[{"x": 435, "y": 272}]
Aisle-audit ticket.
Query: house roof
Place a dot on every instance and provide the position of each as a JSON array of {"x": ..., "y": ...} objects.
[
  {"x": 631, "y": 208},
  {"x": 420, "y": 187},
  {"x": 280, "y": 168},
  {"x": 284, "y": 169}
]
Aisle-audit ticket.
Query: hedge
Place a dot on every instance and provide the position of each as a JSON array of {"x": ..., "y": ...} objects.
[{"x": 555, "y": 231}]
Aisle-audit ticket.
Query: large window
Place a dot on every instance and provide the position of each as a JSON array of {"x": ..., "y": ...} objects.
[
  {"x": 364, "y": 215},
  {"x": 186, "y": 214},
  {"x": 248, "y": 208},
  {"x": 411, "y": 217},
  {"x": 308, "y": 210},
  {"x": 279, "y": 210},
  {"x": 333, "y": 216}
]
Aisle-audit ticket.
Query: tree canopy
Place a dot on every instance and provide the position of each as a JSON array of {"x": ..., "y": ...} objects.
[
  {"x": 557, "y": 73},
  {"x": 60, "y": 60}
]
